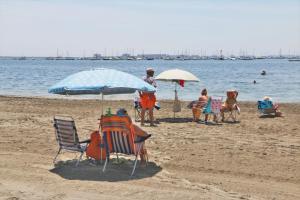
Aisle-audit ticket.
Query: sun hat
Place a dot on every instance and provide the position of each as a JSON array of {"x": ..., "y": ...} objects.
[
  {"x": 149, "y": 69},
  {"x": 266, "y": 98}
]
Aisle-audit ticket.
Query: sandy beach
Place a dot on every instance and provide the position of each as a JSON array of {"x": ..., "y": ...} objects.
[{"x": 256, "y": 158}]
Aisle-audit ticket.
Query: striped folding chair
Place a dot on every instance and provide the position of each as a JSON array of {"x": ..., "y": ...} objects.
[
  {"x": 213, "y": 107},
  {"x": 138, "y": 110},
  {"x": 67, "y": 137},
  {"x": 118, "y": 137}
]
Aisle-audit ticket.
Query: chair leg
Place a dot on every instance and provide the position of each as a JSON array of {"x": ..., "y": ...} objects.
[
  {"x": 106, "y": 160},
  {"x": 118, "y": 161},
  {"x": 79, "y": 158},
  {"x": 56, "y": 155},
  {"x": 233, "y": 116},
  {"x": 135, "y": 115},
  {"x": 136, "y": 158}
]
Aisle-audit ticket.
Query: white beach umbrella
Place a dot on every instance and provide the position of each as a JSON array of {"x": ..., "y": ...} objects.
[{"x": 176, "y": 75}]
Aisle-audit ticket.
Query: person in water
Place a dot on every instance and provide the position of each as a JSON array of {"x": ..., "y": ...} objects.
[{"x": 148, "y": 99}]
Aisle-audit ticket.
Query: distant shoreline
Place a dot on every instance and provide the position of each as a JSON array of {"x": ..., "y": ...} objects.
[{"x": 150, "y": 57}]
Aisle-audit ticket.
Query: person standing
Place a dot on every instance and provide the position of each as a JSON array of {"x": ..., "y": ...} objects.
[{"x": 148, "y": 99}]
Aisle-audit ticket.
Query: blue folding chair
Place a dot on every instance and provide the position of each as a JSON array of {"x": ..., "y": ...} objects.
[{"x": 265, "y": 107}]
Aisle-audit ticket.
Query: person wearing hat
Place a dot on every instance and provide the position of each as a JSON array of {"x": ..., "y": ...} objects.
[{"x": 148, "y": 99}]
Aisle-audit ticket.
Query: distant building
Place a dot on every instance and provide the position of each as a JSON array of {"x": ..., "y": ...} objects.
[
  {"x": 97, "y": 56},
  {"x": 152, "y": 56}
]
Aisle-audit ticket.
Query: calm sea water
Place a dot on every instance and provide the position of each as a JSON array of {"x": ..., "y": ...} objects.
[{"x": 282, "y": 82}]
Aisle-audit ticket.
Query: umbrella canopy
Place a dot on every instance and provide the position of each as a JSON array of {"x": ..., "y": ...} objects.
[
  {"x": 102, "y": 80},
  {"x": 176, "y": 75}
]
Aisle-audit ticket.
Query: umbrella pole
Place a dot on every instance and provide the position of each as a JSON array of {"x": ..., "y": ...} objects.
[
  {"x": 175, "y": 98},
  {"x": 102, "y": 104},
  {"x": 100, "y": 130}
]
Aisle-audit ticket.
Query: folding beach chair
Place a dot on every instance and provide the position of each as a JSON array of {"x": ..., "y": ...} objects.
[
  {"x": 66, "y": 136},
  {"x": 119, "y": 137},
  {"x": 235, "y": 110},
  {"x": 213, "y": 107},
  {"x": 265, "y": 107},
  {"x": 138, "y": 110}
]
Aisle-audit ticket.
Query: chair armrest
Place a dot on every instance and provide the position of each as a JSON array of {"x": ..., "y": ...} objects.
[
  {"x": 85, "y": 141},
  {"x": 142, "y": 139}
]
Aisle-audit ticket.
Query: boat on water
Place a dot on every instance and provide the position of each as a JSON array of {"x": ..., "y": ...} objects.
[
  {"x": 246, "y": 58},
  {"x": 22, "y": 58},
  {"x": 294, "y": 60}
]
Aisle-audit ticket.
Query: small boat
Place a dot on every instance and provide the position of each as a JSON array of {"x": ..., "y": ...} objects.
[
  {"x": 294, "y": 60},
  {"x": 263, "y": 72}
]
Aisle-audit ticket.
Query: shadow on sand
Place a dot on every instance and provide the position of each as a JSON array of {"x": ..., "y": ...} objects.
[
  {"x": 175, "y": 120},
  {"x": 267, "y": 116},
  {"x": 231, "y": 122},
  {"x": 88, "y": 171},
  {"x": 209, "y": 123}
]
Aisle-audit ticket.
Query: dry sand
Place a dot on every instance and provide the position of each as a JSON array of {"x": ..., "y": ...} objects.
[{"x": 257, "y": 158}]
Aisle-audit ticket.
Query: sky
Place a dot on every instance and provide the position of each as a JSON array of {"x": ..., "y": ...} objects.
[{"x": 113, "y": 27}]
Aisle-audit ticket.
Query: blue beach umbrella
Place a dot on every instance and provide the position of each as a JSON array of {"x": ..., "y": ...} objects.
[{"x": 100, "y": 81}]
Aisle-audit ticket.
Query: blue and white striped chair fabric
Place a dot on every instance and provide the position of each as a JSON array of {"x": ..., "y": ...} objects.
[
  {"x": 67, "y": 137},
  {"x": 120, "y": 143},
  {"x": 118, "y": 138}
]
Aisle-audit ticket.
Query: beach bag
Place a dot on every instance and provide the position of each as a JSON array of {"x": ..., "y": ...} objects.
[
  {"x": 177, "y": 104},
  {"x": 93, "y": 149}
]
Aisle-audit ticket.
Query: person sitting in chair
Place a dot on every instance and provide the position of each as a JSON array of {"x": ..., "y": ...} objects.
[
  {"x": 201, "y": 103},
  {"x": 140, "y": 135},
  {"x": 230, "y": 103},
  {"x": 275, "y": 107}
]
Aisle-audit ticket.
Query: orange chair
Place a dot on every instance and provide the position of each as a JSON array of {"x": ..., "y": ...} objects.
[{"x": 119, "y": 137}]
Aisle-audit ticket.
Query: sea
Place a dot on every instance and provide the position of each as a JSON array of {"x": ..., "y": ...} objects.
[{"x": 32, "y": 78}]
